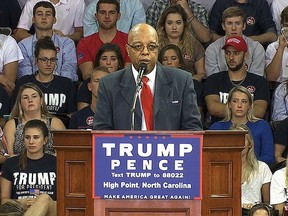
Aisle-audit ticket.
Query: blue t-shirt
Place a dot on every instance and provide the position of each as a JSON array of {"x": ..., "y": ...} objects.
[{"x": 262, "y": 136}]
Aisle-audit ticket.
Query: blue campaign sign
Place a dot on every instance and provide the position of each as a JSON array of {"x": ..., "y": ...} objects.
[{"x": 142, "y": 166}]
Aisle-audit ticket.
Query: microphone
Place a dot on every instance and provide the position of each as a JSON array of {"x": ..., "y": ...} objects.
[{"x": 141, "y": 70}]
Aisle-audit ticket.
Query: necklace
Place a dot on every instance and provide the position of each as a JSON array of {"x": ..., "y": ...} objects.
[
  {"x": 46, "y": 85},
  {"x": 238, "y": 84}
]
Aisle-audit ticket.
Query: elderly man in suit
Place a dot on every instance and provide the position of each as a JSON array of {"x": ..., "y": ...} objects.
[{"x": 172, "y": 91}]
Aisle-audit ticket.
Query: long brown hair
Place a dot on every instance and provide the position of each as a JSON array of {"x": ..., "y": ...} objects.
[
  {"x": 41, "y": 126},
  {"x": 187, "y": 39},
  {"x": 17, "y": 110}
]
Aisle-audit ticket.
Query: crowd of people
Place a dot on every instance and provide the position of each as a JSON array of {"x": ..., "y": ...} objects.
[{"x": 78, "y": 64}]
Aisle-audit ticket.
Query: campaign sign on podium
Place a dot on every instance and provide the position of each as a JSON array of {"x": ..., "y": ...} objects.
[{"x": 147, "y": 166}]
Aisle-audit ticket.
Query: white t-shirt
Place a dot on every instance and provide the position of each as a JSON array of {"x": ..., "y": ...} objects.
[
  {"x": 251, "y": 192},
  {"x": 69, "y": 14},
  {"x": 9, "y": 51},
  {"x": 276, "y": 9},
  {"x": 278, "y": 187}
]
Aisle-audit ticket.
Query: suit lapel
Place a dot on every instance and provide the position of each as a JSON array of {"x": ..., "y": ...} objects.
[
  {"x": 128, "y": 89},
  {"x": 162, "y": 87}
]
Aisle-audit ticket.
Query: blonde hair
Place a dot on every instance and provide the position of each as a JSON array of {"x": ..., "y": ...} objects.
[
  {"x": 251, "y": 167},
  {"x": 187, "y": 39},
  {"x": 242, "y": 89},
  {"x": 17, "y": 110}
]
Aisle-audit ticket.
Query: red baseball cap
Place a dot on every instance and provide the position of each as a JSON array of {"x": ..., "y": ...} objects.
[{"x": 237, "y": 42}]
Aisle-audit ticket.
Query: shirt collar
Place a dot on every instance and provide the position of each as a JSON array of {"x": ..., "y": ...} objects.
[{"x": 151, "y": 76}]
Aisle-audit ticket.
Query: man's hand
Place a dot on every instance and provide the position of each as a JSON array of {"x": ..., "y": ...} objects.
[{"x": 8, "y": 85}]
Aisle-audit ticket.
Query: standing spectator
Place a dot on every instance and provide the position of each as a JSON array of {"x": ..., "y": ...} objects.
[
  {"x": 218, "y": 85},
  {"x": 234, "y": 24},
  {"x": 59, "y": 92},
  {"x": 109, "y": 55},
  {"x": 43, "y": 19},
  {"x": 256, "y": 175},
  {"x": 196, "y": 15},
  {"x": 239, "y": 110},
  {"x": 259, "y": 23},
  {"x": 277, "y": 55},
  {"x": 107, "y": 15},
  {"x": 10, "y": 12},
  {"x": 276, "y": 8},
  {"x": 174, "y": 104},
  {"x": 23, "y": 176},
  {"x": 83, "y": 119},
  {"x": 10, "y": 56},
  {"x": 69, "y": 19},
  {"x": 132, "y": 13},
  {"x": 173, "y": 28}
]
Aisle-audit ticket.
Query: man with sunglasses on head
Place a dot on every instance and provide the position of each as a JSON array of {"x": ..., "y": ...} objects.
[
  {"x": 44, "y": 16},
  {"x": 167, "y": 100}
]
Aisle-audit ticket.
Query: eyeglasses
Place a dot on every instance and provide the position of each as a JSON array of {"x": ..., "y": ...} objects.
[
  {"x": 140, "y": 47},
  {"x": 45, "y": 60}
]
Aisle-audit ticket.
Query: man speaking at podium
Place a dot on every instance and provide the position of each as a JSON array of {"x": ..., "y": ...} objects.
[{"x": 147, "y": 95}]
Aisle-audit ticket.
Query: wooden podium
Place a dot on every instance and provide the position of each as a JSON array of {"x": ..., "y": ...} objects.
[{"x": 221, "y": 184}]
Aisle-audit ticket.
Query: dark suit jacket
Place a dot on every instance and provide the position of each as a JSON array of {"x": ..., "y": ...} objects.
[{"x": 175, "y": 103}]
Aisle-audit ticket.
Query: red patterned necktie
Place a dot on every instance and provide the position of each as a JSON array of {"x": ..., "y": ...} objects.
[{"x": 147, "y": 103}]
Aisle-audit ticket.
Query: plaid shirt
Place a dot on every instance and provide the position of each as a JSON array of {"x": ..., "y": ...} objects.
[{"x": 157, "y": 7}]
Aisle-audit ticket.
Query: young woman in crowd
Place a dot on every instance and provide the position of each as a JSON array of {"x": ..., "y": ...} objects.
[
  {"x": 29, "y": 105},
  {"x": 30, "y": 178},
  {"x": 239, "y": 110},
  {"x": 174, "y": 28},
  {"x": 109, "y": 55},
  {"x": 256, "y": 175}
]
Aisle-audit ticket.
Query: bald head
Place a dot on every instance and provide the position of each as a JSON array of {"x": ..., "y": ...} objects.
[{"x": 142, "y": 29}]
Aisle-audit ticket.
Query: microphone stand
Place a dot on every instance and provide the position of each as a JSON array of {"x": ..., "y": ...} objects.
[{"x": 142, "y": 69}]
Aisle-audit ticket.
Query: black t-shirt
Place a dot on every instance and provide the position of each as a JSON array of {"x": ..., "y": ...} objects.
[{"x": 37, "y": 178}]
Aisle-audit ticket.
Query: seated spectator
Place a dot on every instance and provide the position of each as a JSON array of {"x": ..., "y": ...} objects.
[
  {"x": 10, "y": 12},
  {"x": 276, "y": 9},
  {"x": 109, "y": 55},
  {"x": 277, "y": 55},
  {"x": 29, "y": 105},
  {"x": 43, "y": 20},
  {"x": 88, "y": 47},
  {"x": 281, "y": 140},
  {"x": 22, "y": 176},
  {"x": 132, "y": 13},
  {"x": 278, "y": 189},
  {"x": 171, "y": 56},
  {"x": 173, "y": 28},
  {"x": 280, "y": 102},
  {"x": 239, "y": 110},
  {"x": 59, "y": 92},
  {"x": 259, "y": 22},
  {"x": 83, "y": 119},
  {"x": 68, "y": 23},
  {"x": 256, "y": 175},
  {"x": 233, "y": 24},
  {"x": 10, "y": 56},
  {"x": 196, "y": 14},
  {"x": 218, "y": 85}
]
